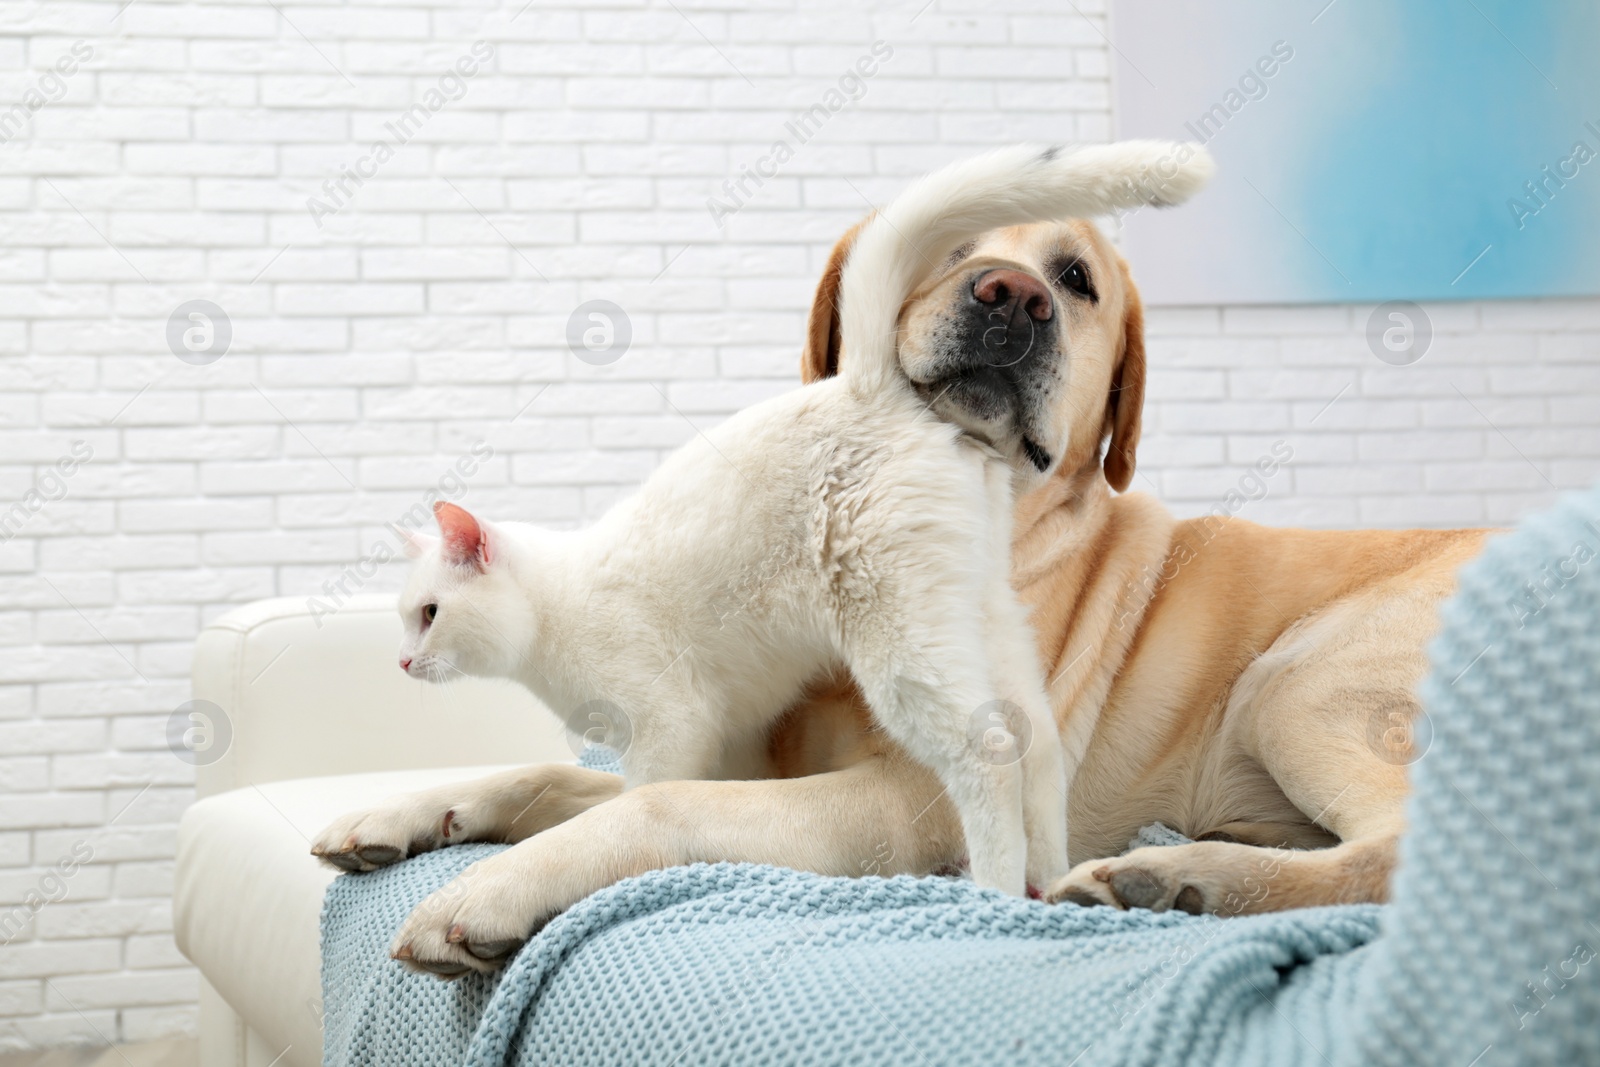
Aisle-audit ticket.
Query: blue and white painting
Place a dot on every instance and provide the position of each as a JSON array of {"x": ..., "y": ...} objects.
[{"x": 1368, "y": 149}]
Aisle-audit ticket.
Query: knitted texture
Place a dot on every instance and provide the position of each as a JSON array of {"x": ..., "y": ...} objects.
[{"x": 1484, "y": 956}]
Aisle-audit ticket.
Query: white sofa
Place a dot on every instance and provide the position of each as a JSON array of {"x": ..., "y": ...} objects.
[{"x": 322, "y": 720}]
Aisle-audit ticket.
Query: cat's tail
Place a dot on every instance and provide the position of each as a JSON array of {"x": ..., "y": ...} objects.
[{"x": 906, "y": 242}]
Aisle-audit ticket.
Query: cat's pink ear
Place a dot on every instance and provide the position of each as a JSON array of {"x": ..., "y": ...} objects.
[
  {"x": 466, "y": 540},
  {"x": 412, "y": 543}
]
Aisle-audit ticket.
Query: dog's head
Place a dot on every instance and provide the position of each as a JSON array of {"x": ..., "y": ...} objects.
[{"x": 1030, "y": 338}]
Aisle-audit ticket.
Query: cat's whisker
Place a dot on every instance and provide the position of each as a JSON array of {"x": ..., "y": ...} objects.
[{"x": 449, "y": 675}]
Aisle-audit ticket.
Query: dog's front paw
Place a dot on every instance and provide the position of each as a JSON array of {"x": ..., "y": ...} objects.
[
  {"x": 1141, "y": 879},
  {"x": 376, "y": 837},
  {"x": 475, "y": 921}
]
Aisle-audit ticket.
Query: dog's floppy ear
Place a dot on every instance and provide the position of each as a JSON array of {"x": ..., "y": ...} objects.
[
  {"x": 1125, "y": 405},
  {"x": 820, "y": 358}
]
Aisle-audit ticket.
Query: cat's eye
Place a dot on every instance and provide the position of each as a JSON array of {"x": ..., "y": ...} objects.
[{"x": 429, "y": 613}]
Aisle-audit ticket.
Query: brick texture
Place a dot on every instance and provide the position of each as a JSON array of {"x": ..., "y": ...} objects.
[{"x": 397, "y": 207}]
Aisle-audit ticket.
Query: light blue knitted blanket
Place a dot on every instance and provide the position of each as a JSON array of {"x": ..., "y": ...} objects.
[{"x": 1485, "y": 956}]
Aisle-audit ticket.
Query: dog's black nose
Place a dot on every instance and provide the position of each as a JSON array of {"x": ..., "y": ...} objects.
[
  {"x": 1010, "y": 290},
  {"x": 1010, "y": 315}
]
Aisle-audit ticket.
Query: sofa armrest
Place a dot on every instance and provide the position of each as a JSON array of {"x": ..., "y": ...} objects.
[{"x": 302, "y": 693}]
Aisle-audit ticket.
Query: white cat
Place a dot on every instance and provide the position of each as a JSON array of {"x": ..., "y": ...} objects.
[{"x": 837, "y": 525}]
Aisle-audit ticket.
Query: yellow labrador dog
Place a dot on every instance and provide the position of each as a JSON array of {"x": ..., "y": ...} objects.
[{"x": 1250, "y": 687}]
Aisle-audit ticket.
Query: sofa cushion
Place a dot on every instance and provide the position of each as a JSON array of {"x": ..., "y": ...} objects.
[{"x": 248, "y": 896}]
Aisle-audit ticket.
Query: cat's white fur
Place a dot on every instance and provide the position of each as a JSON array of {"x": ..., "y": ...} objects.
[{"x": 840, "y": 525}]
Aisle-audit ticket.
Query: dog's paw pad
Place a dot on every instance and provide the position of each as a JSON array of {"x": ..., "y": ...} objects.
[
  {"x": 1191, "y": 900},
  {"x": 1081, "y": 897},
  {"x": 345, "y": 861},
  {"x": 379, "y": 855},
  {"x": 424, "y": 954},
  {"x": 440, "y": 968},
  {"x": 493, "y": 950},
  {"x": 1135, "y": 887}
]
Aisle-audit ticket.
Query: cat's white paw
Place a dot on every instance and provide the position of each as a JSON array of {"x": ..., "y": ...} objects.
[{"x": 376, "y": 837}]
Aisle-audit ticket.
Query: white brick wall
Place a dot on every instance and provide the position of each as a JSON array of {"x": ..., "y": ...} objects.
[{"x": 430, "y": 310}]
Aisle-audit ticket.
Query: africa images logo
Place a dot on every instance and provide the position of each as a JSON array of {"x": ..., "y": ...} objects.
[
  {"x": 1548, "y": 185},
  {"x": 451, "y": 86},
  {"x": 850, "y": 87}
]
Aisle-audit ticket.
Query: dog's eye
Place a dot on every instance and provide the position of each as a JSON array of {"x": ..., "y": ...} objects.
[
  {"x": 1074, "y": 277},
  {"x": 429, "y": 613}
]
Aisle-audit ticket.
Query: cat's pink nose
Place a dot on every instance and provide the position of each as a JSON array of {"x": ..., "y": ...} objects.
[{"x": 405, "y": 665}]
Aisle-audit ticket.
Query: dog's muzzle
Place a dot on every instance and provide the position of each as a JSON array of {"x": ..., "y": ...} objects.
[
  {"x": 1003, "y": 325},
  {"x": 1011, "y": 308},
  {"x": 1008, "y": 321}
]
